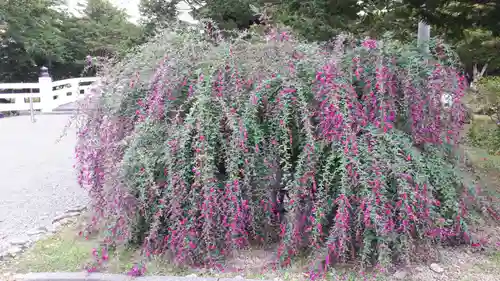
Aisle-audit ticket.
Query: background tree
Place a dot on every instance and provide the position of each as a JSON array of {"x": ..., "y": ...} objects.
[
  {"x": 107, "y": 29},
  {"x": 44, "y": 33},
  {"x": 479, "y": 47},
  {"x": 157, "y": 13},
  {"x": 32, "y": 36},
  {"x": 457, "y": 15}
]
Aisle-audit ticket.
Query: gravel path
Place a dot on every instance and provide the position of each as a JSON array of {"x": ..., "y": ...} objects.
[{"x": 37, "y": 180}]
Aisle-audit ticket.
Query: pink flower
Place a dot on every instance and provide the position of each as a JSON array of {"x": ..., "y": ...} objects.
[{"x": 370, "y": 44}]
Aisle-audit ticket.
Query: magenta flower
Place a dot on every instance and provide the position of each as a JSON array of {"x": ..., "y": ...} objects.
[{"x": 370, "y": 44}]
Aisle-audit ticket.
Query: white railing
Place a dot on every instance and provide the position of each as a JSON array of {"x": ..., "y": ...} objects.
[{"x": 46, "y": 94}]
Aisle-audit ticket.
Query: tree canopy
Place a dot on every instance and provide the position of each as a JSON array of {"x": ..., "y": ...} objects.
[
  {"x": 470, "y": 26},
  {"x": 43, "y": 32},
  {"x": 36, "y": 33}
]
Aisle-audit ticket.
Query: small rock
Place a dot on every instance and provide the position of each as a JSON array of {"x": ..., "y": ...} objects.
[
  {"x": 21, "y": 242},
  {"x": 192, "y": 275},
  {"x": 77, "y": 209},
  {"x": 239, "y": 277},
  {"x": 13, "y": 251},
  {"x": 38, "y": 231},
  {"x": 65, "y": 216},
  {"x": 400, "y": 275},
  {"x": 3, "y": 255},
  {"x": 67, "y": 221},
  {"x": 436, "y": 268}
]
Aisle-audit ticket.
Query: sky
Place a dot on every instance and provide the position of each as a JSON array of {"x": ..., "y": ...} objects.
[{"x": 132, "y": 8}]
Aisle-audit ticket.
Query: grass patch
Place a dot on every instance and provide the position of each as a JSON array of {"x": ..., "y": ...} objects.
[
  {"x": 56, "y": 254},
  {"x": 489, "y": 265},
  {"x": 63, "y": 251},
  {"x": 482, "y": 118},
  {"x": 482, "y": 160},
  {"x": 495, "y": 259},
  {"x": 68, "y": 252}
]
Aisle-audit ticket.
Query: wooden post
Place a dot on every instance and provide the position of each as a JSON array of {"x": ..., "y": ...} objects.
[
  {"x": 424, "y": 34},
  {"x": 32, "y": 110}
]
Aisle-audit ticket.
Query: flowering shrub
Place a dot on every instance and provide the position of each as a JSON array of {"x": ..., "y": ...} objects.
[{"x": 194, "y": 150}]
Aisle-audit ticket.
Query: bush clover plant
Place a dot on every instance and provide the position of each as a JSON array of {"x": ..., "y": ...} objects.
[{"x": 196, "y": 148}]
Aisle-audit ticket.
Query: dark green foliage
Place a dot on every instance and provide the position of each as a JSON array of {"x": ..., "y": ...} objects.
[{"x": 36, "y": 33}]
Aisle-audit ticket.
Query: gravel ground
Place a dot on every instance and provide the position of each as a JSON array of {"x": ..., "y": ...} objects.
[{"x": 37, "y": 180}]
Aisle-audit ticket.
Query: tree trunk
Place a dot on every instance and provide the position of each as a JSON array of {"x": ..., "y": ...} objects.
[{"x": 476, "y": 76}]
